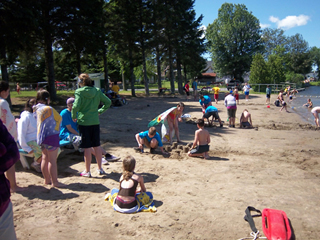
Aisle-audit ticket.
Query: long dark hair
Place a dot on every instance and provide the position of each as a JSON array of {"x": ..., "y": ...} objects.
[{"x": 4, "y": 86}]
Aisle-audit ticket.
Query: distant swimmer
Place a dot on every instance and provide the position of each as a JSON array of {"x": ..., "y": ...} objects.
[{"x": 309, "y": 104}]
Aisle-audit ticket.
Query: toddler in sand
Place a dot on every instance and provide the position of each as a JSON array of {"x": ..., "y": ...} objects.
[
  {"x": 245, "y": 119},
  {"x": 201, "y": 141}
]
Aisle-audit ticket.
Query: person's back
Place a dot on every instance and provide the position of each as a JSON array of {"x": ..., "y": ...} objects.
[
  {"x": 230, "y": 101},
  {"x": 88, "y": 112},
  {"x": 203, "y": 137}
]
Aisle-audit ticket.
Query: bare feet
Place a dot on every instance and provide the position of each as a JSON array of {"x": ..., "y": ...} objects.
[
  {"x": 17, "y": 189},
  {"x": 59, "y": 185}
]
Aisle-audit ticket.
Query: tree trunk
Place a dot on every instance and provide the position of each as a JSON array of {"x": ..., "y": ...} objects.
[
  {"x": 146, "y": 80},
  {"x": 50, "y": 67},
  {"x": 132, "y": 78},
  {"x": 49, "y": 54},
  {"x": 158, "y": 67},
  {"x": 179, "y": 76},
  {"x": 106, "y": 73},
  {"x": 171, "y": 75}
]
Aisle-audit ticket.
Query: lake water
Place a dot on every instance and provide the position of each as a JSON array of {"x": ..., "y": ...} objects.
[{"x": 312, "y": 92}]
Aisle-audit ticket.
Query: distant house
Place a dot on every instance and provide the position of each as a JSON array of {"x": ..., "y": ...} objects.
[{"x": 208, "y": 76}]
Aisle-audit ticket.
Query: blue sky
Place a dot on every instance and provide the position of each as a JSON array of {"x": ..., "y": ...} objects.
[{"x": 293, "y": 16}]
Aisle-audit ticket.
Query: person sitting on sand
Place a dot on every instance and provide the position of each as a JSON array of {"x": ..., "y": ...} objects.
[
  {"x": 69, "y": 130},
  {"x": 129, "y": 182},
  {"x": 27, "y": 134},
  {"x": 245, "y": 119},
  {"x": 315, "y": 111},
  {"x": 212, "y": 111},
  {"x": 309, "y": 104},
  {"x": 200, "y": 146},
  {"x": 150, "y": 139}
]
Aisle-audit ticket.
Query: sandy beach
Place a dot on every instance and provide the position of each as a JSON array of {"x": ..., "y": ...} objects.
[{"x": 275, "y": 165}]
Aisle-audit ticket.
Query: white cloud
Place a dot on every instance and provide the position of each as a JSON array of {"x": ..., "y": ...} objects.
[
  {"x": 262, "y": 25},
  {"x": 290, "y": 21}
]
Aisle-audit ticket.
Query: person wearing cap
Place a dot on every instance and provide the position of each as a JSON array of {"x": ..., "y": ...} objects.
[
  {"x": 69, "y": 130},
  {"x": 231, "y": 104}
]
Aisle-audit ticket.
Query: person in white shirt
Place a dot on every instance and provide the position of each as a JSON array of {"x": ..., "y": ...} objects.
[{"x": 27, "y": 134}]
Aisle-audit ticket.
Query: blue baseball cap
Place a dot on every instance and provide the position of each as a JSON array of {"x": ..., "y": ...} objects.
[{"x": 231, "y": 91}]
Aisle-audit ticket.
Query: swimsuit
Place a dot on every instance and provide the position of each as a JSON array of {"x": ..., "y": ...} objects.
[
  {"x": 127, "y": 192},
  {"x": 200, "y": 149}
]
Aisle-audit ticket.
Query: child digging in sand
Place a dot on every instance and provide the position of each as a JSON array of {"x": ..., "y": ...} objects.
[{"x": 201, "y": 141}]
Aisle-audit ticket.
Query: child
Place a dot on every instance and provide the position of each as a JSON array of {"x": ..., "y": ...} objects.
[
  {"x": 27, "y": 134},
  {"x": 151, "y": 139},
  {"x": 212, "y": 111},
  {"x": 201, "y": 141},
  {"x": 173, "y": 118},
  {"x": 245, "y": 119},
  {"x": 216, "y": 91},
  {"x": 309, "y": 104},
  {"x": 205, "y": 101},
  {"x": 129, "y": 182},
  {"x": 187, "y": 89},
  {"x": 236, "y": 94},
  {"x": 48, "y": 127},
  {"x": 8, "y": 120}
]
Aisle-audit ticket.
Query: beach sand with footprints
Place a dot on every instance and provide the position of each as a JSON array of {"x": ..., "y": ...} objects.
[{"x": 274, "y": 165}]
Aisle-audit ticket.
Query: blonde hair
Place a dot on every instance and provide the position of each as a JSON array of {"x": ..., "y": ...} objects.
[{"x": 128, "y": 165}]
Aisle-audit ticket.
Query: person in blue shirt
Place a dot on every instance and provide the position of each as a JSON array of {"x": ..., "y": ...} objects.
[
  {"x": 69, "y": 130},
  {"x": 212, "y": 111},
  {"x": 205, "y": 101},
  {"x": 150, "y": 139}
]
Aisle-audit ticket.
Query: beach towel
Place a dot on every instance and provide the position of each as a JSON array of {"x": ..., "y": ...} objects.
[
  {"x": 48, "y": 125},
  {"x": 144, "y": 200},
  {"x": 163, "y": 118}
]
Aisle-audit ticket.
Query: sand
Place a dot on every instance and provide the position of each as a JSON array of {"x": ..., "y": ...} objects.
[{"x": 275, "y": 165}]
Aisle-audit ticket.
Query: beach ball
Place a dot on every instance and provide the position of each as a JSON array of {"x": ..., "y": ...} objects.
[{"x": 268, "y": 106}]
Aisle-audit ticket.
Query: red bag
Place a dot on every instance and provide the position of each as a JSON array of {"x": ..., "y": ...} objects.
[{"x": 275, "y": 223}]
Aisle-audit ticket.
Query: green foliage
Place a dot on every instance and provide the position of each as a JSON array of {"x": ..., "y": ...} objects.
[
  {"x": 233, "y": 39},
  {"x": 295, "y": 78},
  {"x": 315, "y": 54},
  {"x": 258, "y": 71},
  {"x": 275, "y": 69},
  {"x": 300, "y": 60}
]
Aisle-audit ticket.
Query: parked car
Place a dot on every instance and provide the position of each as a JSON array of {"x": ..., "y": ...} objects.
[{"x": 234, "y": 83}]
